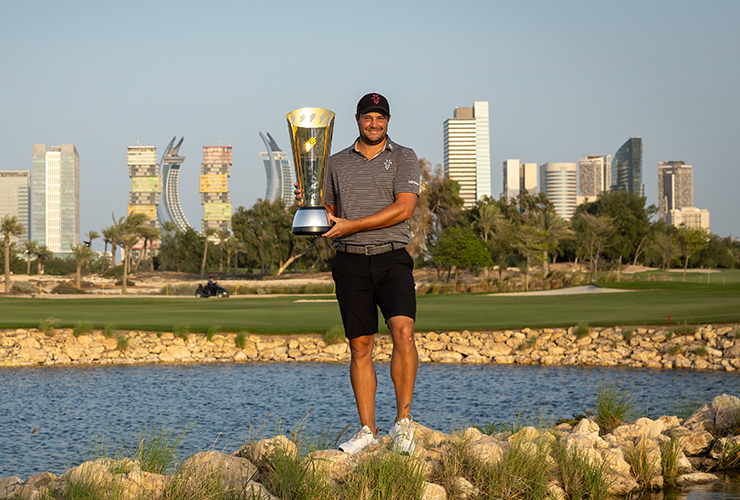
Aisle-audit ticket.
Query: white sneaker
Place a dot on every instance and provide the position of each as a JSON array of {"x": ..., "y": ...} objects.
[
  {"x": 402, "y": 434},
  {"x": 360, "y": 441}
]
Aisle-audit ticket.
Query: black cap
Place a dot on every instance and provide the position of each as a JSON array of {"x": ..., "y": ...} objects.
[{"x": 373, "y": 102}]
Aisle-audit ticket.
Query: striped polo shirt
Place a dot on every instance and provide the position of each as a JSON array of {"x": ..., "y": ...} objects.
[{"x": 359, "y": 187}]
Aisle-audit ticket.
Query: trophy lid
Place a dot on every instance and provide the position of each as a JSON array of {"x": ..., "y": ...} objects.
[{"x": 310, "y": 117}]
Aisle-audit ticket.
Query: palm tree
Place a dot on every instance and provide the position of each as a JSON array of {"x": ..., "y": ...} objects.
[
  {"x": 552, "y": 229},
  {"x": 149, "y": 234},
  {"x": 114, "y": 233},
  {"x": 43, "y": 253},
  {"x": 30, "y": 247},
  {"x": 127, "y": 235},
  {"x": 223, "y": 236},
  {"x": 82, "y": 254},
  {"x": 210, "y": 231},
  {"x": 10, "y": 228},
  {"x": 108, "y": 237},
  {"x": 92, "y": 235}
]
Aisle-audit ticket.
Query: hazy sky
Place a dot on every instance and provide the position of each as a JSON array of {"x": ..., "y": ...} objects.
[{"x": 563, "y": 79}]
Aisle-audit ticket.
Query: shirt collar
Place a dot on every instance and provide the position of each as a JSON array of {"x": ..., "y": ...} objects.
[{"x": 389, "y": 145}]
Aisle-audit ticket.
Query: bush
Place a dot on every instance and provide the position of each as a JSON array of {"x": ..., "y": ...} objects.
[
  {"x": 212, "y": 330},
  {"x": 673, "y": 349},
  {"x": 23, "y": 287},
  {"x": 128, "y": 282},
  {"x": 49, "y": 326},
  {"x": 241, "y": 340},
  {"x": 614, "y": 405},
  {"x": 182, "y": 331},
  {"x": 54, "y": 266},
  {"x": 113, "y": 272},
  {"x": 334, "y": 335},
  {"x": 65, "y": 289},
  {"x": 122, "y": 343},
  {"x": 108, "y": 331},
  {"x": 582, "y": 330},
  {"x": 81, "y": 327},
  {"x": 628, "y": 334}
]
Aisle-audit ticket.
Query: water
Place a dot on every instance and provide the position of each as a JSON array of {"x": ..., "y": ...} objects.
[{"x": 69, "y": 406}]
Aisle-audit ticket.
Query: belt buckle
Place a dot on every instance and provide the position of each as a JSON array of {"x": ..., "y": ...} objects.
[{"x": 368, "y": 248}]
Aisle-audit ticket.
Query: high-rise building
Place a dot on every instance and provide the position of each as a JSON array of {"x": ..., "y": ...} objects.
[
  {"x": 170, "y": 168},
  {"x": 56, "y": 197},
  {"x": 467, "y": 151},
  {"x": 278, "y": 172},
  {"x": 627, "y": 168},
  {"x": 146, "y": 184},
  {"x": 675, "y": 187},
  {"x": 519, "y": 177},
  {"x": 594, "y": 176},
  {"x": 214, "y": 188},
  {"x": 15, "y": 199},
  {"x": 559, "y": 182},
  {"x": 690, "y": 217}
]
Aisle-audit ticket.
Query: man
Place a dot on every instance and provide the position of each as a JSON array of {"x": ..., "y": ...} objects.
[{"x": 370, "y": 192}]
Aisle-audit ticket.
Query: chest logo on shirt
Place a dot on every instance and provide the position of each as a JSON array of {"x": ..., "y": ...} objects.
[{"x": 388, "y": 163}]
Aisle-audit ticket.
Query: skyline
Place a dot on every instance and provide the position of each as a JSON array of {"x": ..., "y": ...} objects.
[{"x": 562, "y": 81}]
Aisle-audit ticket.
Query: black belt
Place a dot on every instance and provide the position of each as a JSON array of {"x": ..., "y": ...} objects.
[{"x": 370, "y": 249}]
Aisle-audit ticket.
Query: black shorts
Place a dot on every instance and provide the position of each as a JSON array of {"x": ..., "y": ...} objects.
[{"x": 366, "y": 282}]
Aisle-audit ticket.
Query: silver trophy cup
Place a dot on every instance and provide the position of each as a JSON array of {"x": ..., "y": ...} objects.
[{"x": 310, "y": 140}]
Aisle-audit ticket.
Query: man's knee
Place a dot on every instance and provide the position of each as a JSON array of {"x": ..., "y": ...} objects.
[
  {"x": 402, "y": 331},
  {"x": 361, "y": 347}
]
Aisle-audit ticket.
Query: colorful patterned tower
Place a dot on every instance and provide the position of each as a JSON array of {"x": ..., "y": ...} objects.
[{"x": 214, "y": 187}]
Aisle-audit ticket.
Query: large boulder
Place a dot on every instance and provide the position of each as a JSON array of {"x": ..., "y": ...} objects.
[{"x": 726, "y": 412}]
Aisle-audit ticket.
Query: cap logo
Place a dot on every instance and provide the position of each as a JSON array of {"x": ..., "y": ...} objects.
[{"x": 375, "y": 98}]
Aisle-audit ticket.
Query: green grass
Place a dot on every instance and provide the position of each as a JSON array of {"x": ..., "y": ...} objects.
[
  {"x": 213, "y": 330},
  {"x": 581, "y": 478},
  {"x": 108, "y": 331},
  {"x": 81, "y": 328},
  {"x": 582, "y": 330},
  {"x": 181, "y": 331},
  {"x": 49, "y": 326},
  {"x": 669, "y": 453},
  {"x": 122, "y": 343},
  {"x": 241, "y": 340},
  {"x": 690, "y": 303},
  {"x": 334, "y": 335},
  {"x": 614, "y": 405}
]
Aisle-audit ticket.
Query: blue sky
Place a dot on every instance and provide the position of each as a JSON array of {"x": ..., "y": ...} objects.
[{"x": 563, "y": 79}]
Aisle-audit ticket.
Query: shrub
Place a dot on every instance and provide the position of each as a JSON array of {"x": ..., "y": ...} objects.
[
  {"x": 181, "y": 331},
  {"x": 122, "y": 343},
  {"x": 334, "y": 335},
  {"x": 736, "y": 332},
  {"x": 613, "y": 405},
  {"x": 673, "y": 349},
  {"x": 65, "y": 289},
  {"x": 23, "y": 287},
  {"x": 685, "y": 330},
  {"x": 49, "y": 326},
  {"x": 669, "y": 453},
  {"x": 212, "y": 330},
  {"x": 241, "y": 340},
  {"x": 701, "y": 351},
  {"x": 582, "y": 330},
  {"x": 108, "y": 331},
  {"x": 628, "y": 334},
  {"x": 129, "y": 282},
  {"x": 643, "y": 464},
  {"x": 81, "y": 327},
  {"x": 113, "y": 272}
]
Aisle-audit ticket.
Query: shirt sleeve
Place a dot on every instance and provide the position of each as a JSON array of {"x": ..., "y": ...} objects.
[
  {"x": 329, "y": 192},
  {"x": 408, "y": 174}
]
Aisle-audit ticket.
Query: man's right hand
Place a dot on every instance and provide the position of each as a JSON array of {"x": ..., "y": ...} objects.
[{"x": 298, "y": 195}]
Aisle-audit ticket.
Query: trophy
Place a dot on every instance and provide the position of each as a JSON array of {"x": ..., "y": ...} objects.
[{"x": 310, "y": 139}]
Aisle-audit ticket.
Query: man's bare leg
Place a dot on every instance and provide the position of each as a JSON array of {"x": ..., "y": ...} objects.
[
  {"x": 362, "y": 376},
  {"x": 404, "y": 363}
]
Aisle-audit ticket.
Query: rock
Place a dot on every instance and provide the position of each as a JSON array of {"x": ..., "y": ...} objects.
[
  {"x": 465, "y": 488},
  {"x": 693, "y": 442},
  {"x": 446, "y": 357},
  {"x": 696, "y": 478},
  {"x": 89, "y": 473},
  {"x": 433, "y": 491},
  {"x": 233, "y": 471},
  {"x": 726, "y": 412},
  {"x": 29, "y": 354},
  {"x": 265, "y": 448},
  {"x": 429, "y": 437},
  {"x": 702, "y": 419},
  {"x": 334, "y": 464},
  {"x": 8, "y": 486},
  {"x": 175, "y": 353}
]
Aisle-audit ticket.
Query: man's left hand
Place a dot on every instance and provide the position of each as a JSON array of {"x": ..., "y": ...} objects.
[{"x": 341, "y": 227}]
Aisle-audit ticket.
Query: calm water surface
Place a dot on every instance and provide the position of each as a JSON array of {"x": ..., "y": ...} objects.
[{"x": 69, "y": 406}]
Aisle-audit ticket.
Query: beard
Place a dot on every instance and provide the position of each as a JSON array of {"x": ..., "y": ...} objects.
[{"x": 372, "y": 142}]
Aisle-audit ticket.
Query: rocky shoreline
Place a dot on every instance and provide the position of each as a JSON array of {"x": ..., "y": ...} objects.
[
  {"x": 704, "y": 347},
  {"x": 647, "y": 454}
]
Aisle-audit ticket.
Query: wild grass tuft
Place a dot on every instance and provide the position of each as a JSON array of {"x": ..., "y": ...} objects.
[
  {"x": 685, "y": 329},
  {"x": 673, "y": 349},
  {"x": 241, "y": 340},
  {"x": 81, "y": 328},
  {"x": 108, "y": 331},
  {"x": 582, "y": 330},
  {"x": 122, "y": 343},
  {"x": 290, "y": 477},
  {"x": 519, "y": 474},
  {"x": 669, "y": 454},
  {"x": 454, "y": 463},
  {"x": 736, "y": 332},
  {"x": 580, "y": 477},
  {"x": 158, "y": 448},
  {"x": 614, "y": 405},
  {"x": 628, "y": 334},
  {"x": 730, "y": 454},
  {"x": 212, "y": 330},
  {"x": 182, "y": 331},
  {"x": 334, "y": 335},
  {"x": 49, "y": 326},
  {"x": 643, "y": 464},
  {"x": 684, "y": 407},
  {"x": 669, "y": 335},
  {"x": 701, "y": 351},
  {"x": 491, "y": 428},
  {"x": 385, "y": 476}
]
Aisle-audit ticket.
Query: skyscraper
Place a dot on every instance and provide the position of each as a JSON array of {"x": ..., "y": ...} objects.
[
  {"x": 675, "y": 187},
  {"x": 594, "y": 176},
  {"x": 146, "y": 184},
  {"x": 56, "y": 197},
  {"x": 558, "y": 181},
  {"x": 467, "y": 153},
  {"x": 278, "y": 172},
  {"x": 519, "y": 177},
  {"x": 214, "y": 188},
  {"x": 15, "y": 199},
  {"x": 690, "y": 217},
  {"x": 170, "y": 168},
  {"x": 627, "y": 168}
]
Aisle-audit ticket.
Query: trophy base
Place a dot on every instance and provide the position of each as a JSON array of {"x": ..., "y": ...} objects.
[{"x": 311, "y": 221}]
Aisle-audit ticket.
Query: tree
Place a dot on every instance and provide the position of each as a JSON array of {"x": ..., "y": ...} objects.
[
  {"x": 210, "y": 231},
  {"x": 593, "y": 233},
  {"x": 10, "y": 227},
  {"x": 445, "y": 203},
  {"x": 420, "y": 224},
  {"x": 181, "y": 251},
  {"x": 30, "y": 249},
  {"x": 691, "y": 241},
  {"x": 551, "y": 229},
  {"x": 128, "y": 234},
  {"x": 666, "y": 247},
  {"x": 222, "y": 236},
  {"x": 114, "y": 233},
  {"x": 531, "y": 243},
  {"x": 501, "y": 244},
  {"x": 82, "y": 254},
  {"x": 458, "y": 247},
  {"x": 148, "y": 233},
  {"x": 43, "y": 252},
  {"x": 265, "y": 231}
]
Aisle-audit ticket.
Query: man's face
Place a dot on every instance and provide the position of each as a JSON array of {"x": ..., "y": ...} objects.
[{"x": 373, "y": 127}]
